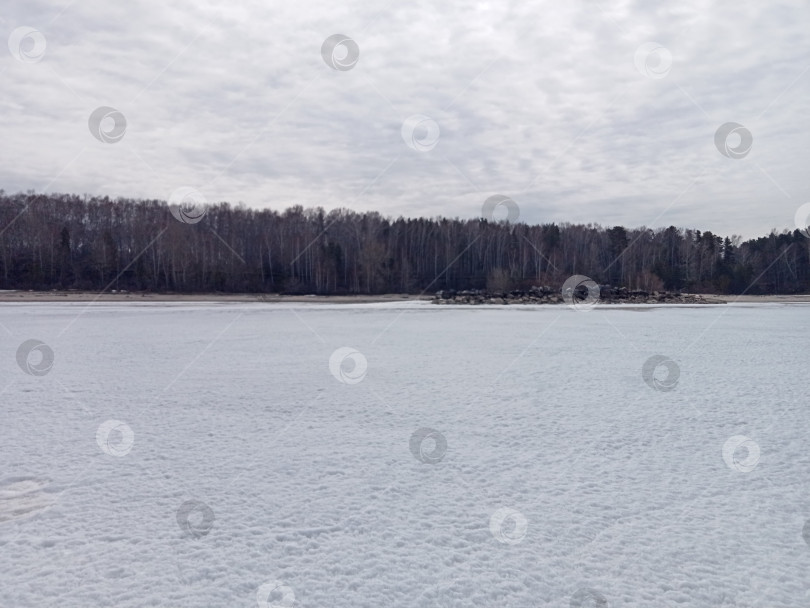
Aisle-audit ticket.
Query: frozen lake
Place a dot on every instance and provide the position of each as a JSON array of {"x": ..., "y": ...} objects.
[{"x": 234, "y": 455}]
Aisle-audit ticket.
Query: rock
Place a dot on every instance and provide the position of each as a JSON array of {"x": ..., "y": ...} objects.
[{"x": 538, "y": 294}]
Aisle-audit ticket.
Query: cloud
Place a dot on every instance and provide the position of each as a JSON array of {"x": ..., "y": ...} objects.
[{"x": 542, "y": 102}]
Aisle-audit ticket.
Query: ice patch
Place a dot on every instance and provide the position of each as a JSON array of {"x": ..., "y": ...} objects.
[{"x": 22, "y": 497}]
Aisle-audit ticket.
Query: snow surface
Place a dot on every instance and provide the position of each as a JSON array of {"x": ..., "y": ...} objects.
[{"x": 213, "y": 455}]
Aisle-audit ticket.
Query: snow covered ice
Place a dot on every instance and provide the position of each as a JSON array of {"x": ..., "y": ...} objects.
[{"x": 234, "y": 455}]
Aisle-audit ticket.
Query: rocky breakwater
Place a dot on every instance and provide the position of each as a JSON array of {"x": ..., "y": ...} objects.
[{"x": 547, "y": 295}]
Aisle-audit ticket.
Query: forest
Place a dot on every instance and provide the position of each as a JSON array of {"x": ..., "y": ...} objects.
[{"x": 63, "y": 241}]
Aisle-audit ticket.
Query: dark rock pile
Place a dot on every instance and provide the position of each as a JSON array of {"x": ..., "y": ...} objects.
[{"x": 546, "y": 295}]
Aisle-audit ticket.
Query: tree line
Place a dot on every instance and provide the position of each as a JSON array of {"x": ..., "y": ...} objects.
[{"x": 62, "y": 241}]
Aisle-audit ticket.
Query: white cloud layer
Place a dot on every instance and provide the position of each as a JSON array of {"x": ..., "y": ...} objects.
[{"x": 542, "y": 102}]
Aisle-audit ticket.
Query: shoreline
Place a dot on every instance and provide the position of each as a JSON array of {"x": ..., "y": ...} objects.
[{"x": 88, "y": 296}]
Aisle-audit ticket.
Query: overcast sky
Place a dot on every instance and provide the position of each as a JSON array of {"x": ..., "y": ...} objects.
[{"x": 579, "y": 111}]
